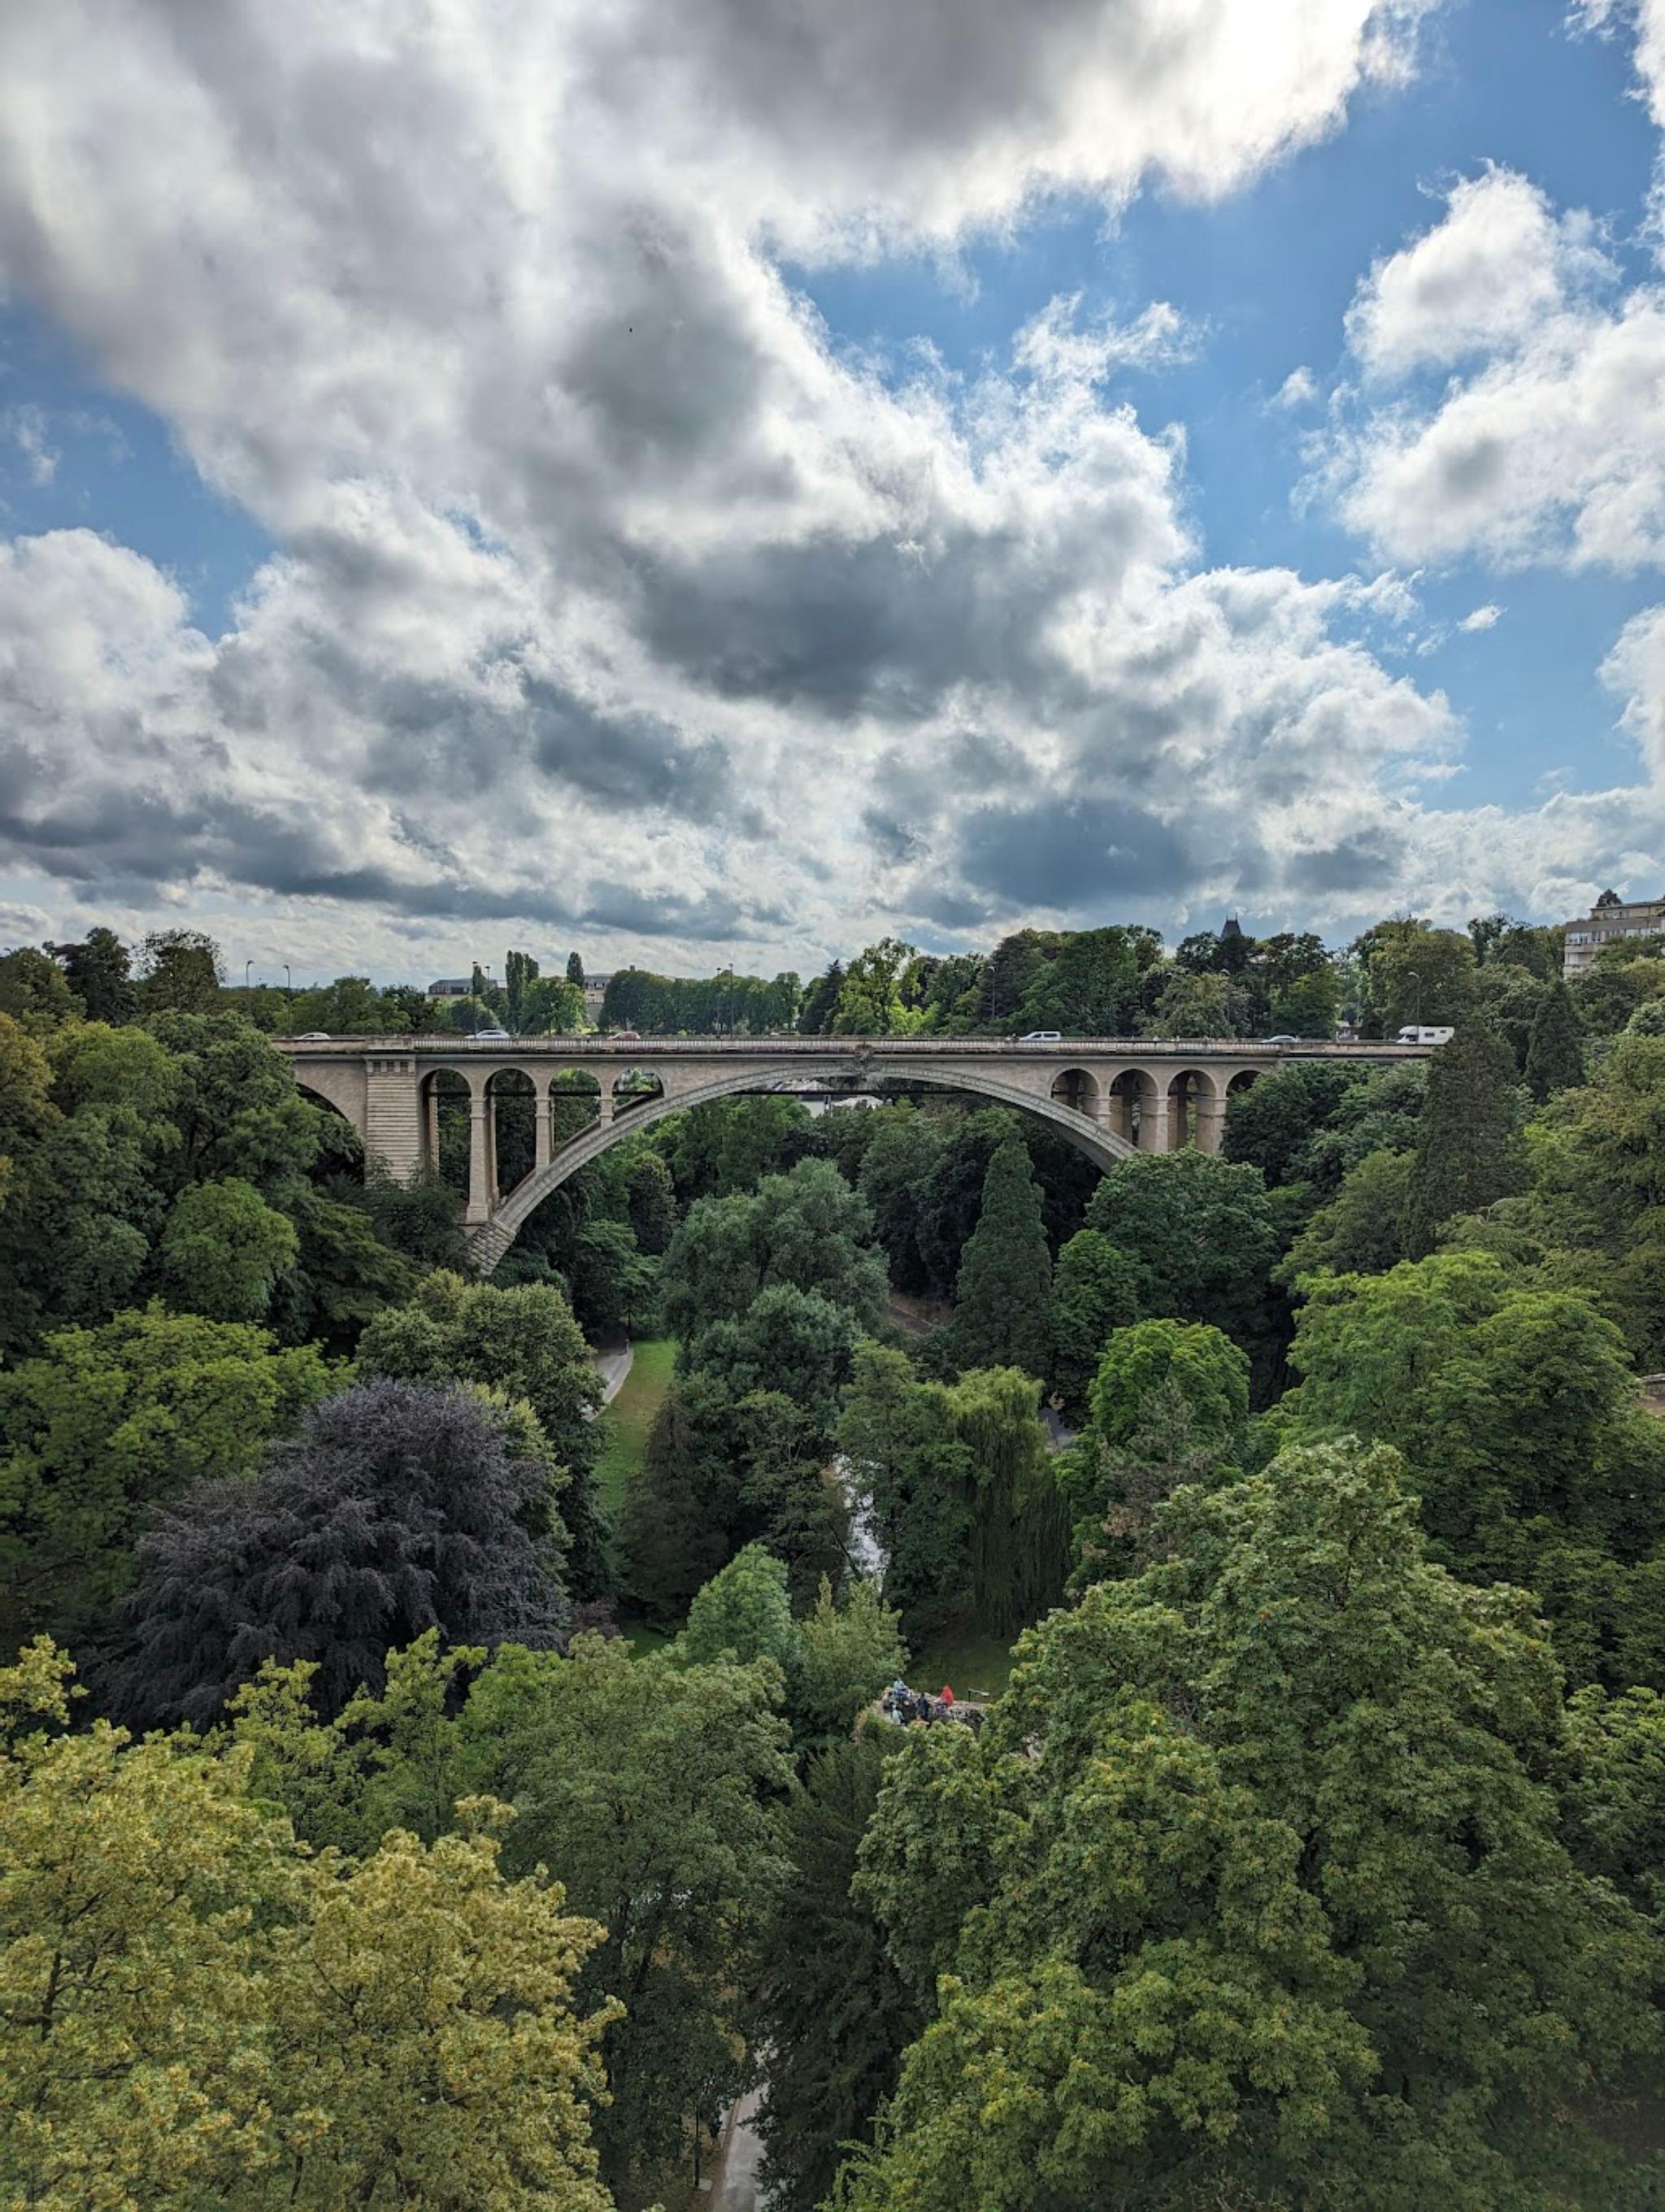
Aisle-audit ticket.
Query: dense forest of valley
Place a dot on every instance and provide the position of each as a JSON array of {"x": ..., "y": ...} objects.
[{"x": 413, "y": 1794}]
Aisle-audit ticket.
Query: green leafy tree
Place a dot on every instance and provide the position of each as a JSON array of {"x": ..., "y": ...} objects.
[
  {"x": 794, "y": 1342},
  {"x": 99, "y": 970},
  {"x": 28, "y": 1123},
  {"x": 1614, "y": 1795},
  {"x": 651, "y": 1200},
  {"x": 895, "y": 1165},
  {"x": 827, "y": 2002},
  {"x": 1095, "y": 1289},
  {"x": 1170, "y": 1407},
  {"x": 1252, "y": 1892},
  {"x": 107, "y": 1422},
  {"x": 222, "y": 1251},
  {"x": 1555, "y": 1054},
  {"x": 33, "y": 991},
  {"x": 1412, "y": 972},
  {"x": 723, "y": 1470},
  {"x": 906, "y": 1458},
  {"x": 236, "y": 1108},
  {"x": 1003, "y": 1297},
  {"x": 1514, "y": 1409},
  {"x": 745, "y": 1612},
  {"x": 1382, "y": 1113},
  {"x": 1271, "y": 1125},
  {"x": 1508, "y": 999},
  {"x": 726, "y": 1146},
  {"x": 1113, "y": 1490},
  {"x": 712, "y": 1270},
  {"x": 386, "y": 1760},
  {"x": 652, "y": 1787},
  {"x": 195, "y": 2009},
  {"x": 811, "y": 1231},
  {"x": 870, "y": 995},
  {"x": 1208, "y": 1370},
  {"x": 1200, "y": 1230},
  {"x": 613, "y": 1283},
  {"x": 180, "y": 971},
  {"x": 1468, "y": 1148},
  {"x": 1362, "y": 1231},
  {"x": 1191, "y": 1006},
  {"x": 821, "y": 1002},
  {"x": 807, "y": 1231},
  {"x": 847, "y": 1653}
]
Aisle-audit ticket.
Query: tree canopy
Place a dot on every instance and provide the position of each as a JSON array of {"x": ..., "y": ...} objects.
[{"x": 1252, "y": 1885}]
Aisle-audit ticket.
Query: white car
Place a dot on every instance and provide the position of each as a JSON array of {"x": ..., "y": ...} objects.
[
  {"x": 314, "y": 1037},
  {"x": 491, "y": 1036},
  {"x": 1042, "y": 1036}
]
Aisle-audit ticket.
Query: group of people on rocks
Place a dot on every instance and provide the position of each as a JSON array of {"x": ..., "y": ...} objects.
[{"x": 906, "y": 1706}]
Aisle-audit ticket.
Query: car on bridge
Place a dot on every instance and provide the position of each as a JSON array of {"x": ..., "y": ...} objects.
[
  {"x": 1042, "y": 1036},
  {"x": 491, "y": 1036}
]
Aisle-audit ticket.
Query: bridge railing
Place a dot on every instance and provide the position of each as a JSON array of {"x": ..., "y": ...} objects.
[{"x": 610, "y": 1048}]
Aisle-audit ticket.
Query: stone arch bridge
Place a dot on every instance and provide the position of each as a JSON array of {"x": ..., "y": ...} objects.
[{"x": 1107, "y": 1097}]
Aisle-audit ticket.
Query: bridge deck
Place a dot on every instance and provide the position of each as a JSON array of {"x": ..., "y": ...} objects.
[{"x": 590, "y": 1045}]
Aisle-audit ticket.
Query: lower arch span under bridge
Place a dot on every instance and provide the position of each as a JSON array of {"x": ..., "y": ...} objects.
[{"x": 1109, "y": 1097}]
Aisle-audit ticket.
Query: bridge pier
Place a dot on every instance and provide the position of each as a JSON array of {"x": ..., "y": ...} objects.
[{"x": 480, "y": 1150}]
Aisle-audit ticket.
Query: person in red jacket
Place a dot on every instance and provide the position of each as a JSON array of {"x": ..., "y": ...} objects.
[{"x": 947, "y": 1694}]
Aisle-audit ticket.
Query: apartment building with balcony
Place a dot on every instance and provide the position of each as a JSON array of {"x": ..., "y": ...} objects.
[{"x": 1609, "y": 921}]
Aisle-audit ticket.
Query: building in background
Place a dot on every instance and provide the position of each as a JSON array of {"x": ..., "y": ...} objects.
[
  {"x": 457, "y": 986},
  {"x": 595, "y": 990},
  {"x": 1608, "y": 920}
]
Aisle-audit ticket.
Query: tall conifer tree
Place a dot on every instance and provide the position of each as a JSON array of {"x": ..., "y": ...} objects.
[
  {"x": 1004, "y": 1293},
  {"x": 1466, "y": 1152},
  {"x": 1554, "y": 1052}
]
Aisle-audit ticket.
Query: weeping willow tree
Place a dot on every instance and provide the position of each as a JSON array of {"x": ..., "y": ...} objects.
[
  {"x": 965, "y": 1498},
  {"x": 1020, "y": 1525}
]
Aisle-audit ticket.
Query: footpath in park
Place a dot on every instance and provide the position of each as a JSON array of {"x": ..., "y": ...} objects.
[
  {"x": 613, "y": 1355},
  {"x": 734, "y": 2185}
]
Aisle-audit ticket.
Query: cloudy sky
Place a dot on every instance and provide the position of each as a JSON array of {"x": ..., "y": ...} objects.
[{"x": 730, "y": 479}]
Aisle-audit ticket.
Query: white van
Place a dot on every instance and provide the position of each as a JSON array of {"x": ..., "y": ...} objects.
[
  {"x": 1412, "y": 1035},
  {"x": 1042, "y": 1036}
]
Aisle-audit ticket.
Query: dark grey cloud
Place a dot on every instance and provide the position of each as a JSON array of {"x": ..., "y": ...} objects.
[
  {"x": 1065, "y": 854},
  {"x": 1372, "y": 861}
]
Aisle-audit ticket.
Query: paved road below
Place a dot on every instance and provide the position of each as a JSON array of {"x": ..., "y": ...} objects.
[
  {"x": 735, "y": 2188},
  {"x": 613, "y": 1358}
]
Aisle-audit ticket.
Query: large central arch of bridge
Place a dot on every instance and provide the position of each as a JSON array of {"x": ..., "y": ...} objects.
[
  {"x": 1107, "y": 1097},
  {"x": 494, "y": 1238}
]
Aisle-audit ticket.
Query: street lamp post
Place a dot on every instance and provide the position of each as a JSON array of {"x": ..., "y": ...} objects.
[
  {"x": 1412, "y": 976},
  {"x": 728, "y": 1001},
  {"x": 247, "y": 965},
  {"x": 289, "y": 980}
]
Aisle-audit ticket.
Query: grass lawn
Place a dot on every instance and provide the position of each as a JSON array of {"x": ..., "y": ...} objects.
[
  {"x": 643, "y": 1640},
  {"x": 630, "y": 1416},
  {"x": 971, "y": 1663}
]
